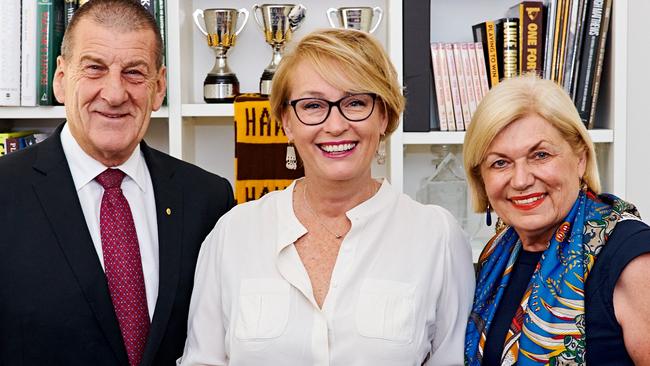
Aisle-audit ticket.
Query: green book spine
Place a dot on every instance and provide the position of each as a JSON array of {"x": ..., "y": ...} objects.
[
  {"x": 162, "y": 25},
  {"x": 50, "y": 29}
]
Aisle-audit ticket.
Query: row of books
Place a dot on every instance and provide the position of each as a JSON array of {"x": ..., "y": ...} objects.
[
  {"x": 13, "y": 141},
  {"x": 460, "y": 79},
  {"x": 561, "y": 40},
  {"x": 33, "y": 32}
]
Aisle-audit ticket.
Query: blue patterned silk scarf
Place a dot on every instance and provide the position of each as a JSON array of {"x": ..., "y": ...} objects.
[{"x": 549, "y": 325}]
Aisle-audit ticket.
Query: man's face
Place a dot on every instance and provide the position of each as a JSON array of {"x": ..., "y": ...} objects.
[{"x": 109, "y": 85}]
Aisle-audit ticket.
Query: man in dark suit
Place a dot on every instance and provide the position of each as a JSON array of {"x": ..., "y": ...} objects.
[{"x": 99, "y": 233}]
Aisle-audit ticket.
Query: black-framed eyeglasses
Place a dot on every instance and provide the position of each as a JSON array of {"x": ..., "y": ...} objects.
[{"x": 314, "y": 111}]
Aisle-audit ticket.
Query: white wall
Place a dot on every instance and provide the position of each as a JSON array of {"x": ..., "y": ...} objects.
[{"x": 638, "y": 113}]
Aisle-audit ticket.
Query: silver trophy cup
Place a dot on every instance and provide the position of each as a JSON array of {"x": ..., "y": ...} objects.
[
  {"x": 278, "y": 22},
  {"x": 221, "y": 84},
  {"x": 359, "y": 18}
]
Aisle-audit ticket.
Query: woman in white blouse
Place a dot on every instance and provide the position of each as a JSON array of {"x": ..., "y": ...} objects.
[{"x": 339, "y": 268}]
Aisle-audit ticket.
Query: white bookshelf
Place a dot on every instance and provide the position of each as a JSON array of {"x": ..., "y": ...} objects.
[{"x": 202, "y": 133}]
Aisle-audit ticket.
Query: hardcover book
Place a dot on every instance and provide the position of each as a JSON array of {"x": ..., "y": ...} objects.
[
  {"x": 28, "y": 64},
  {"x": 572, "y": 37},
  {"x": 455, "y": 93},
  {"x": 437, "y": 80},
  {"x": 551, "y": 13},
  {"x": 446, "y": 89},
  {"x": 602, "y": 43},
  {"x": 10, "y": 53},
  {"x": 149, "y": 5},
  {"x": 486, "y": 34},
  {"x": 508, "y": 42},
  {"x": 482, "y": 71},
  {"x": 4, "y": 136},
  {"x": 476, "y": 77},
  {"x": 589, "y": 59},
  {"x": 69, "y": 7},
  {"x": 531, "y": 35},
  {"x": 469, "y": 81},
  {"x": 50, "y": 32}
]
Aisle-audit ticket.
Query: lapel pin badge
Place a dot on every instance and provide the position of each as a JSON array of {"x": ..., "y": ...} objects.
[{"x": 168, "y": 211}]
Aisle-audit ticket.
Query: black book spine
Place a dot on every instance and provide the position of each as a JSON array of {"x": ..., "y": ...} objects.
[
  {"x": 588, "y": 60},
  {"x": 510, "y": 47},
  {"x": 150, "y": 5},
  {"x": 69, "y": 7},
  {"x": 599, "y": 61},
  {"x": 418, "y": 78}
]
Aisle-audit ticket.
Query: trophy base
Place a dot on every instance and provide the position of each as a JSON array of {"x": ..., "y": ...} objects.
[
  {"x": 220, "y": 88},
  {"x": 266, "y": 82}
]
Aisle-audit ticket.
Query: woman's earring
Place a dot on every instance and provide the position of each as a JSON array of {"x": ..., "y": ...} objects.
[
  {"x": 583, "y": 185},
  {"x": 290, "y": 161},
  {"x": 488, "y": 216},
  {"x": 381, "y": 152}
]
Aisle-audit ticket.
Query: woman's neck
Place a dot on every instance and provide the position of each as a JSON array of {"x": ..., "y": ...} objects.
[
  {"x": 537, "y": 242},
  {"x": 333, "y": 199}
]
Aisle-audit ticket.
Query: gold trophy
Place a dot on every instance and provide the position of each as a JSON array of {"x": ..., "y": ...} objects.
[
  {"x": 359, "y": 18},
  {"x": 278, "y": 22},
  {"x": 221, "y": 84}
]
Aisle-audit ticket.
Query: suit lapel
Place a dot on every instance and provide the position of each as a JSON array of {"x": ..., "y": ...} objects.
[
  {"x": 169, "y": 205},
  {"x": 56, "y": 192}
]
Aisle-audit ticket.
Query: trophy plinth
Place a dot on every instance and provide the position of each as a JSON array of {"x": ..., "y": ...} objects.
[
  {"x": 359, "y": 18},
  {"x": 265, "y": 82},
  {"x": 220, "y": 88},
  {"x": 221, "y": 84},
  {"x": 278, "y": 22}
]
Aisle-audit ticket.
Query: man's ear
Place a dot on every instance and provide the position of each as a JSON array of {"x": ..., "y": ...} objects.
[
  {"x": 161, "y": 88},
  {"x": 58, "y": 84}
]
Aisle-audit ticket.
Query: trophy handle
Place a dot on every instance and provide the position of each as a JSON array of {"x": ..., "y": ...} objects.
[
  {"x": 297, "y": 16},
  {"x": 330, "y": 11},
  {"x": 380, "y": 13},
  {"x": 243, "y": 24},
  {"x": 195, "y": 15},
  {"x": 257, "y": 20}
]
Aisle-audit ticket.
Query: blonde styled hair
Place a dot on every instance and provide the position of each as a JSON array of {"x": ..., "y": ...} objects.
[
  {"x": 350, "y": 60},
  {"x": 513, "y": 99}
]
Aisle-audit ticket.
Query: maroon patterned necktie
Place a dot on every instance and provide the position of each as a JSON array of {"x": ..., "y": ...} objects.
[{"x": 122, "y": 265}]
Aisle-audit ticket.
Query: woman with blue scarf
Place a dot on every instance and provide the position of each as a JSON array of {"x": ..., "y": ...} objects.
[{"x": 566, "y": 278}]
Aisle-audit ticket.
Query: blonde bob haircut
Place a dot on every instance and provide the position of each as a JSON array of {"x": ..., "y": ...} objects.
[
  {"x": 350, "y": 60},
  {"x": 511, "y": 100}
]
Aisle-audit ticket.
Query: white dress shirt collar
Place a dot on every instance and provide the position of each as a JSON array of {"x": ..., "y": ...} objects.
[
  {"x": 292, "y": 229},
  {"x": 84, "y": 168}
]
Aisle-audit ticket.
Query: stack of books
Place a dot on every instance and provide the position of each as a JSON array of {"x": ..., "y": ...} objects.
[{"x": 560, "y": 40}]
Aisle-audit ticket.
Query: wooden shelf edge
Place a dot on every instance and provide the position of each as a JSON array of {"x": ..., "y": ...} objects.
[{"x": 207, "y": 110}]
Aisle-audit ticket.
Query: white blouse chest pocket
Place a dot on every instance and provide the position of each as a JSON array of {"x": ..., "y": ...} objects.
[
  {"x": 386, "y": 310},
  {"x": 263, "y": 309}
]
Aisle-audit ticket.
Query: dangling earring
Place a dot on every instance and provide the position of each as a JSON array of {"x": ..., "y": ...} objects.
[
  {"x": 290, "y": 161},
  {"x": 381, "y": 152},
  {"x": 488, "y": 216},
  {"x": 583, "y": 185}
]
